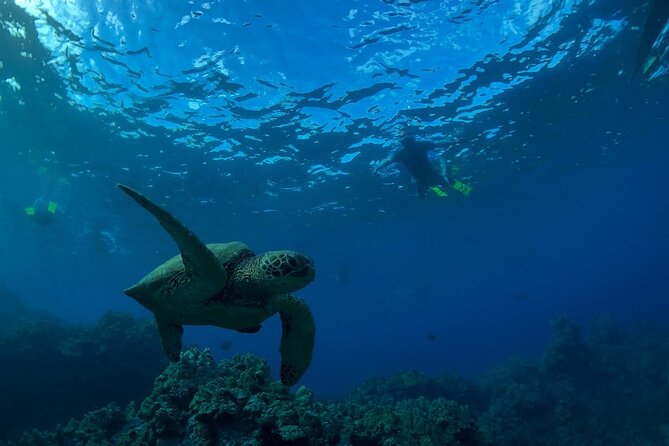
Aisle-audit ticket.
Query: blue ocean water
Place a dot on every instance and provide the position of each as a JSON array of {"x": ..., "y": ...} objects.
[{"x": 264, "y": 122}]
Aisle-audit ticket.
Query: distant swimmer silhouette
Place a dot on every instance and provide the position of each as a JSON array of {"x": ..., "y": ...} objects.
[
  {"x": 413, "y": 155},
  {"x": 42, "y": 211},
  {"x": 655, "y": 22},
  {"x": 48, "y": 206}
]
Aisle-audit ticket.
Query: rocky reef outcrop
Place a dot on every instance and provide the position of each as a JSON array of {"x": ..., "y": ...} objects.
[
  {"x": 610, "y": 387},
  {"x": 52, "y": 370},
  {"x": 236, "y": 402}
]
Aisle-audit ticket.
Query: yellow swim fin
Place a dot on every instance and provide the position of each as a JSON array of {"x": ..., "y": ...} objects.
[
  {"x": 51, "y": 208},
  {"x": 438, "y": 191},
  {"x": 30, "y": 211},
  {"x": 464, "y": 189}
]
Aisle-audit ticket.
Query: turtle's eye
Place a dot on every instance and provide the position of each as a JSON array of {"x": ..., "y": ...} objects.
[
  {"x": 302, "y": 267},
  {"x": 301, "y": 272}
]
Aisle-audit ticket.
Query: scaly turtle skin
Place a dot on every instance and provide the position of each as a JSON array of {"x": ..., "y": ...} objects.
[{"x": 226, "y": 285}]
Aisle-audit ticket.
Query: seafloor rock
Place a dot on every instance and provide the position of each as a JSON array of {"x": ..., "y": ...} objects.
[
  {"x": 567, "y": 352},
  {"x": 413, "y": 384},
  {"x": 420, "y": 421},
  {"x": 52, "y": 371},
  {"x": 197, "y": 402},
  {"x": 610, "y": 389}
]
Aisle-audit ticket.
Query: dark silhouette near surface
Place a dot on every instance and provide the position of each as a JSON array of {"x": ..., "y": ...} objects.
[
  {"x": 655, "y": 22},
  {"x": 413, "y": 155}
]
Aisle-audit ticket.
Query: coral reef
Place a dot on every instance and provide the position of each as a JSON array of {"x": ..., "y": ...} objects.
[
  {"x": 420, "y": 421},
  {"x": 413, "y": 384},
  {"x": 610, "y": 388},
  {"x": 236, "y": 402},
  {"x": 52, "y": 371}
]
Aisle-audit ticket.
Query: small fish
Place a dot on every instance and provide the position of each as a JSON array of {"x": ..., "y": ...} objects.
[
  {"x": 226, "y": 345},
  {"x": 431, "y": 337}
]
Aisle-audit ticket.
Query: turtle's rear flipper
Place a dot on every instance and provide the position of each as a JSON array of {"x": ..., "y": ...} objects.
[
  {"x": 297, "y": 338},
  {"x": 170, "y": 336}
]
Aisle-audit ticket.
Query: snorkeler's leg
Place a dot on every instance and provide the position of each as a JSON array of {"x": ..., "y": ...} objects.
[
  {"x": 390, "y": 159},
  {"x": 443, "y": 167},
  {"x": 655, "y": 22}
]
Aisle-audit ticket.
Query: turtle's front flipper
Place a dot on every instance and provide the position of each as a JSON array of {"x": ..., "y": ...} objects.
[
  {"x": 170, "y": 336},
  {"x": 297, "y": 338},
  {"x": 197, "y": 258}
]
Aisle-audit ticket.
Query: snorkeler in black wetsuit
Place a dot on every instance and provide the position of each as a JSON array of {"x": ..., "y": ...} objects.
[
  {"x": 414, "y": 156},
  {"x": 655, "y": 22}
]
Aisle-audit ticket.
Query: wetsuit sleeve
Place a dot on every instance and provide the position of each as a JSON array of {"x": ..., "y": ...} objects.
[{"x": 386, "y": 162}]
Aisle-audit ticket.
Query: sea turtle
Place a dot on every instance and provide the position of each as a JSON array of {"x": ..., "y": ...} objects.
[{"x": 227, "y": 285}]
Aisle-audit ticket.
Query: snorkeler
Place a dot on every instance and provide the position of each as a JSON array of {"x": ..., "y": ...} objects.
[
  {"x": 414, "y": 156},
  {"x": 45, "y": 208},
  {"x": 42, "y": 211},
  {"x": 655, "y": 22}
]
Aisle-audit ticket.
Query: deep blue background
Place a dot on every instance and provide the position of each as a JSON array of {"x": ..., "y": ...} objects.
[
  {"x": 569, "y": 214},
  {"x": 485, "y": 275}
]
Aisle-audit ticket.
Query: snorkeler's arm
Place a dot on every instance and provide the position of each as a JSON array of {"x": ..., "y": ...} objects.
[
  {"x": 390, "y": 159},
  {"x": 444, "y": 142}
]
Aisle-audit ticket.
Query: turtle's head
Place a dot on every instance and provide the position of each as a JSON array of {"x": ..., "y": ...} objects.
[{"x": 286, "y": 271}]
